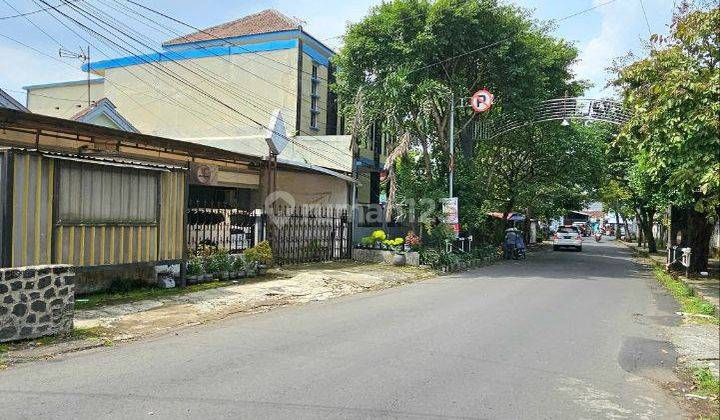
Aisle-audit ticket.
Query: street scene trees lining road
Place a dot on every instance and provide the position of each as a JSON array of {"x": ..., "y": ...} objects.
[{"x": 436, "y": 213}]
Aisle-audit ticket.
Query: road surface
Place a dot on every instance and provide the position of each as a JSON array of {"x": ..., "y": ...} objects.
[{"x": 561, "y": 335}]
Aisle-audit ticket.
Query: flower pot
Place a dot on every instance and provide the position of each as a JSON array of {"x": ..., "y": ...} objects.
[
  {"x": 262, "y": 269},
  {"x": 399, "y": 259}
]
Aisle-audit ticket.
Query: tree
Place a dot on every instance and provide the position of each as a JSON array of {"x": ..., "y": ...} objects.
[
  {"x": 674, "y": 132},
  {"x": 409, "y": 57}
]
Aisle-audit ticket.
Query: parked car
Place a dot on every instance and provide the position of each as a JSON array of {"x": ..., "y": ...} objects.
[{"x": 567, "y": 236}]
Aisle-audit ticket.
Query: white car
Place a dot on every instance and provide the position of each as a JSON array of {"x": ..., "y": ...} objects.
[{"x": 567, "y": 236}]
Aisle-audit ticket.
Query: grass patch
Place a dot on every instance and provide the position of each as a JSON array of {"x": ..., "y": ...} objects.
[
  {"x": 707, "y": 384},
  {"x": 143, "y": 293},
  {"x": 685, "y": 295}
]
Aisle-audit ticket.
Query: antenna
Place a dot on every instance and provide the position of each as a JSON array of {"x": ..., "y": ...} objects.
[{"x": 85, "y": 57}]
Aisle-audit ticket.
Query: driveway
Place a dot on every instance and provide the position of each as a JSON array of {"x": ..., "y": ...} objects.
[{"x": 561, "y": 335}]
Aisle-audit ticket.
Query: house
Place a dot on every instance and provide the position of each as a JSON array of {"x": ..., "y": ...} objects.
[
  {"x": 244, "y": 71},
  {"x": 115, "y": 201},
  {"x": 7, "y": 101}
]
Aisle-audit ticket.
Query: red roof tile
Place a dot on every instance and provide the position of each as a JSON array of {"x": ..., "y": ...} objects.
[{"x": 258, "y": 23}]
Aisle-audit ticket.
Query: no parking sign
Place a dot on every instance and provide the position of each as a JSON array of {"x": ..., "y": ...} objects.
[{"x": 482, "y": 100}]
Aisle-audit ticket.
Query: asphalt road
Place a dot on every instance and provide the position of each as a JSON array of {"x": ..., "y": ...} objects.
[{"x": 561, "y": 335}]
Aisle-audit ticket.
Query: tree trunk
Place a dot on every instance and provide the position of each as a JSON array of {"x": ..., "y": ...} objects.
[
  {"x": 699, "y": 232},
  {"x": 626, "y": 227},
  {"x": 640, "y": 223},
  {"x": 617, "y": 224},
  {"x": 678, "y": 226},
  {"x": 647, "y": 229}
]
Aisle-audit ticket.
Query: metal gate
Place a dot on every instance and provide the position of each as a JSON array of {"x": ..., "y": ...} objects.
[
  {"x": 299, "y": 235},
  {"x": 220, "y": 225}
]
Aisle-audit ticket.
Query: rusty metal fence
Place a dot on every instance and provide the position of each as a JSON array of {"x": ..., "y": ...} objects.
[{"x": 309, "y": 234}]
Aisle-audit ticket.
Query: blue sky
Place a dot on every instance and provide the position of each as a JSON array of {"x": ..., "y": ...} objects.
[{"x": 601, "y": 35}]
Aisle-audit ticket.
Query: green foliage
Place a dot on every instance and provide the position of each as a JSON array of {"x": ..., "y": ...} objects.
[
  {"x": 674, "y": 129},
  {"x": 195, "y": 266},
  {"x": 706, "y": 382},
  {"x": 685, "y": 295},
  {"x": 218, "y": 262},
  {"x": 238, "y": 263},
  {"x": 259, "y": 254},
  {"x": 367, "y": 241},
  {"x": 379, "y": 236},
  {"x": 408, "y": 56},
  {"x": 396, "y": 244}
]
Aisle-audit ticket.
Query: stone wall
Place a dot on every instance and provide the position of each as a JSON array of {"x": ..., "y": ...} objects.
[
  {"x": 36, "y": 301},
  {"x": 380, "y": 256}
]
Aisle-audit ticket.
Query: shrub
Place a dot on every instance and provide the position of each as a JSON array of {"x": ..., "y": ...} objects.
[
  {"x": 194, "y": 266},
  {"x": 367, "y": 241},
  {"x": 379, "y": 235},
  {"x": 413, "y": 241},
  {"x": 238, "y": 263},
  {"x": 219, "y": 262},
  {"x": 395, "y": 244},
  {"x": 259, "y": 254}
]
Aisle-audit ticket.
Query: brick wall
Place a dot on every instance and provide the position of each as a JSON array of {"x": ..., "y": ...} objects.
[{"x": 36, "y": 301}]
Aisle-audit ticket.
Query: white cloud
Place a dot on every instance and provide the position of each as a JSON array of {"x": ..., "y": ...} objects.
[{"x": 623, "y": 29}]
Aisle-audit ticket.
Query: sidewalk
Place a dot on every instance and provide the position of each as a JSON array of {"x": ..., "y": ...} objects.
[
  {"x": 697, "y": 343},
  {"x": 707, "y": 288},
  {"x": 107, "y": 325}
]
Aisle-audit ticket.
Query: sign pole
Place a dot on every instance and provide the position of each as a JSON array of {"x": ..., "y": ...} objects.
[{"x": 452, "y": 142}]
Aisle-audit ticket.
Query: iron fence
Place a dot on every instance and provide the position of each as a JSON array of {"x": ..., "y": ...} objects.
[
  {"x": 299, "y": 235},
  {"x": 221, "y": 225}
]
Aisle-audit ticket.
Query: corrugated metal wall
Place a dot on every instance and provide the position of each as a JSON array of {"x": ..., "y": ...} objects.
[
  {"x": 33, "y": 180},
  {"x": 37, "y": 240}
]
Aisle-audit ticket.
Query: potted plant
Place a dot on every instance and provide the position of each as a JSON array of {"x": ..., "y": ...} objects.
[
  {"x": 194, "y": 270},
  {"x": 413, "y": 241},
  {"x": 397, "y": 245},
  {"x": 259, "y": 257},
  {"x": 367, "y": 242},
  {"x": 221, "y": 264},
  {"x": 378, "y": 237},
  {"x": 239, "y": 266}
]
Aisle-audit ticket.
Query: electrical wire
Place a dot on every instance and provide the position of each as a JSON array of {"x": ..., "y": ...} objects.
[
  {"x": 250, "y": 93},
  {"x": 180, "y": 79},
  {"x": 647, "y": 22},
  {"x": 254, "y": 105}
]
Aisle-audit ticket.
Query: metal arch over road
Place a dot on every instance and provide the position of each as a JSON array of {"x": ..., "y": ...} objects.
[{"x": 583, "y": 109}]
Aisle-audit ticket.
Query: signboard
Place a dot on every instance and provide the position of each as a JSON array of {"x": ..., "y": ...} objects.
[
  {"x": 201, "y": 174},
  {"x": 482, "y": 100},
  {"x": 276, "y": 135},
  {"x": 450, "y": 210},
  {"x": 452, "y": 214}
]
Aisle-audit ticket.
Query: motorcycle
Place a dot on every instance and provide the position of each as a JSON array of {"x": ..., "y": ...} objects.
[{"x": 598, "y": 237}]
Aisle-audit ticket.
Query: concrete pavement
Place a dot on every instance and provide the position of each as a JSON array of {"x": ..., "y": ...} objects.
[{"x": 561, "y": 335}]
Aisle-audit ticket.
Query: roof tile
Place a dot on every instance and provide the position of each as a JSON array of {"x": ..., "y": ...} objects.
[{"x": 266, "y": 21}]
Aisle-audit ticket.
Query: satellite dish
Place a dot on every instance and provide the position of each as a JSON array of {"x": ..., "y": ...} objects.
[{"x": 276, "y": 135}]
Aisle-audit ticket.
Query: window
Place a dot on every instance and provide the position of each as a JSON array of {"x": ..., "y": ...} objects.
[
  {"x": 100, "y": 194},
  {"x": 314, "y": 97}
]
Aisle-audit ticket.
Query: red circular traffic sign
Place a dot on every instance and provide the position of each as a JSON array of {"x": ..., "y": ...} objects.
[{"x": 482, "y": 100}]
